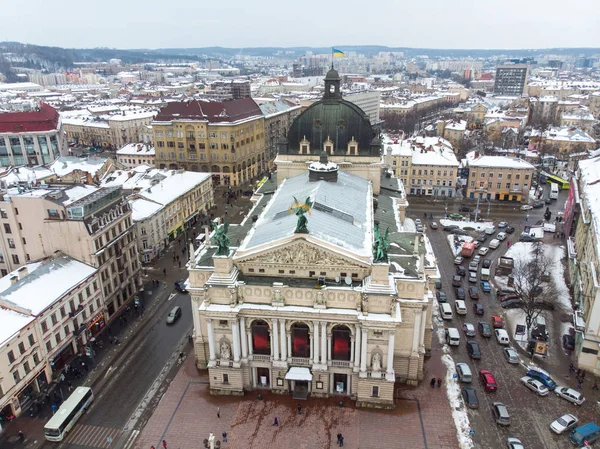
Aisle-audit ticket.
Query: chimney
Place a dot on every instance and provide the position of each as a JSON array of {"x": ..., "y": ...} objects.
[
  {"x": 139, "y": 147},
  {"x": 14, "y": 279},
  {"x": 23, "y": 271}
]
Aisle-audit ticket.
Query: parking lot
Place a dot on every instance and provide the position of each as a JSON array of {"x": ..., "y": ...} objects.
[{"x": 530, "y": 414}]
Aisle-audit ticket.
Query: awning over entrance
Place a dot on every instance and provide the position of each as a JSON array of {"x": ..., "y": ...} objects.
[{"x": 298, "y": 373}]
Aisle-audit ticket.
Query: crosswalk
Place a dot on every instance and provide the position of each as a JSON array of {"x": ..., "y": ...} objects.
[{"x": 93, "y": 436}]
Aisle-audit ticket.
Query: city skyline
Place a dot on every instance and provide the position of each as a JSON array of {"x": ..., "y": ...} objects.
[{"x": 433, "y": 24}]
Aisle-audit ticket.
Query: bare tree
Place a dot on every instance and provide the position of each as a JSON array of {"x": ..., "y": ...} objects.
[{"x": 535, "y": 293}]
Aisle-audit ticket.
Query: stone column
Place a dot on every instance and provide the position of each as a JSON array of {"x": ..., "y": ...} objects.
[
  {"x": 235, "y": 333},
  {"x": 363, "y": 350},
  {"x": 250, "y": 346},
  {"x": 211, "y": 339},
  {"x": 423, "y": 324},
  {"x": 243, "y": 337},
  {"x": 283, "y": 340},
  {"x": 390, "y": 354},
  {"x": 417, "y": 331},
  {"x": 324, "y": 342},
  {"x": 315, "y": 340},
  {"x": 289, "y": 343},
  {"x": 352, "y": 349},
  {"x": 328, "y": 347},
  {"x": 275, "y": 333},
  {"x": 357, "y": 347}
]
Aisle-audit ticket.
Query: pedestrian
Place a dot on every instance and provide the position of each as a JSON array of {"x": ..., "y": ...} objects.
[
  {"x": 339, "y": 437},
  {"x": 69, "y": 386},
  {"x": 21, "y": 436},
  {"x": 164, "y": 444},
  {"x": 578, "y": 373},
  {"x": 439, "y": 382},
  {"x": 219, "y": 412},
  {"x": 117, "y": 342},
  {"x": 299, "y": 409},
  {"x": 165, "y": 272},
  {"x": 341, "y": 440},
  {"x": 432, "y": 383},
  {"x": 508, "y": 244},
  {"x": 54, "y": 408},
  {"x": 276, "y": 422},
  {"x": 579, "y": 384},
  {"x": 595, "y": 387},
  {"x": 224, "y": 437},
  {"x": 571, "y": 368}
]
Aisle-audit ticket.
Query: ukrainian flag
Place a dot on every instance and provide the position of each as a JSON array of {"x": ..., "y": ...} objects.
[{"x": 338, "y": 53}]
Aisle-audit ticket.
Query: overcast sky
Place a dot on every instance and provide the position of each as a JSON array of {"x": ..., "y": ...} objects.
[{"x": 261, "y": 23}]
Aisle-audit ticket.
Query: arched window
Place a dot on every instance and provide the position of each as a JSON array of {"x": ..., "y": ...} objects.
[
  {"x": 300, "y": 340},
  {"x": 261, "y": 338},
  {"x": 341, "y": 343}
]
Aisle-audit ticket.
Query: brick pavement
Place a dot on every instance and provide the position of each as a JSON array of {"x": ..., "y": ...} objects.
[{"x": 187, "y": 413}]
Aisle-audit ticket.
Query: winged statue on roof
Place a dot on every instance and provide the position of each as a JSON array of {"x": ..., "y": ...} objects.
[
  {"x": 381, "y": 245},
  {"x": 300, "y": 209},
  {"x": 220, "y": 238}
]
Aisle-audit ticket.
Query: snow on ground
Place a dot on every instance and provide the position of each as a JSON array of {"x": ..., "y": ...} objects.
[
  {"x": 459, "y": 411},
  {"x": 478, "y": 226},
  {"x": 457, "y": 249}
]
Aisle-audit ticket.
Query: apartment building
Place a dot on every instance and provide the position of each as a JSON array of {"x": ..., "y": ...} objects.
[
  {"x": 31, "y": 138},
  {"x": 498, "y": 178},
  {"x": 88, "y": 223},
  {"x": 226, "y": 139},
  {"x": 369, "y": 101},
  {"x": 134, "y": 154},
  {"x": 578, "y": 118},
  {"x": 426, "y": 165},
  {"x": 221, "y": 90},
  {"x": 452, "y": 130},
  {"x": 563, "y": 140},
  {"x": 51, "y": 309},
  {"x": 279, "y": 115},
  {"x": 164, "y": 203},
  {"x": 109, "y": 127},
  {"x": 511, "y": 80}
]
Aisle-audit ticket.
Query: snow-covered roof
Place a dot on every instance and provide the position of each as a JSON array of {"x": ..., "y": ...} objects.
[
  {"x": 68, "y": 164},
  {"x": 566, "y": 134},
  {"x": 136, "y": 149},
  {"x": 341, "y": 214},
  {"x": 142, "y": 209},
  {"x": 12, "y": 322},
  {"x": 498, "y": 162},
  {"x": 424, "y": 150},
  {"x": 45, "y": 283}
]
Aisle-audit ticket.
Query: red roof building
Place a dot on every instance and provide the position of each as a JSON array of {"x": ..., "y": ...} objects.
[
  {"x": 210, "y": 111},
  {"x": 45, "y": 119}
]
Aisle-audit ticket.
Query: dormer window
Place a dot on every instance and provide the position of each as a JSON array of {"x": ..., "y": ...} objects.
[
  {"x": 328, "y": 146},
  {"x": 352, "y": 148},
  {"x": 304, "y": 146}
]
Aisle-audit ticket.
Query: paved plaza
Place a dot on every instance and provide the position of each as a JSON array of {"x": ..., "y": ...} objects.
[{"x": 187, "y": 414}]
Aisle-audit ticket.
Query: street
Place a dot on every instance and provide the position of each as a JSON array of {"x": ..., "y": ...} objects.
[{"x": 530, "y": 414}]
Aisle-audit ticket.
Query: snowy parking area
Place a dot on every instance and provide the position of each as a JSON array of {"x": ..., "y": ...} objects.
[{"x": 478, "y": 226}]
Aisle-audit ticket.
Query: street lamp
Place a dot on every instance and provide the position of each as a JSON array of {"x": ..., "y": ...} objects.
[{"x": 446, "y": 209}]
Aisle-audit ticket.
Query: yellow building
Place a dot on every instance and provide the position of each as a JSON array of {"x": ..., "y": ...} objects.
[
  {"x": 499, "y": 178},
  {"x": 226, "y": 139}
]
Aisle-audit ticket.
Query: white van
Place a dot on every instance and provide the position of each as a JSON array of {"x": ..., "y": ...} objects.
[
  {"x": 460, "y": 306},
  {"x": 490, "y": 231},
  {"x": 452, "y": 336},
  {"x": 502, "y": 336},
  {"x": 494, "y": 244},
  {"x": 485, "y": 274},
  {"x": 446, "y": 311}
]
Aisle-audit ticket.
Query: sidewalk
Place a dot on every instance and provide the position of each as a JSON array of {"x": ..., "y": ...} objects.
[{"x": 187, "y": 413}]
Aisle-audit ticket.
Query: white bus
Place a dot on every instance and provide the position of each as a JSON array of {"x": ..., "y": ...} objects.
[
  {"x": 67, "y": 415},
  {"x": 553, "y": 191}
]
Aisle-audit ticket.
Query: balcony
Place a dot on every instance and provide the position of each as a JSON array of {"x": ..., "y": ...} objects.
[
  {"x": 301, "y": 361},
  {"x": 341, "y": 363},
  {"x": 261, "y": 358},
  {"x": 77, "y": 311}
]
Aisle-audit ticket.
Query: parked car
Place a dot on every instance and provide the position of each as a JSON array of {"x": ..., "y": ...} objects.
[
  {"x": 497, "y": 322},
  {"x": 534, "y": 385},
  {"x": 470, "y": 397},
  {"x": 460, "y": 270},
  {"x": 509, "y": 230},
  {"x": 526, "y": 207},
  {"x": 564, "y": 423},
  {"x": 464, "y": 209},
  {"x": 449, "y": 228},
  {"x": 526, "y": 238},
  {"x": 502, "y": 224},
  {"x": 459, "y": 231},
  {"x": 543, "y": 377},
  {"x": 485, "y": 329},
  {"x": 538, "y": 204},
  {"x": 441, "y": 296},
  {"x": 473, "y": 277},
  {"x": 501, "y": 236},
  {"x": 455, "y": 216},
  {"x": 477, "y": 258},
  {"x": 502, "y": 336},
  {"x": 174, "y": 315},
  {"x": 476, "y": 244},
  {"x": 418, "y": 222},
  {"x": 500, "y": 413},
  {"x": 512, "y": 304},
  {"x": 473, "y": 292},
  {"x": 548, "y": 201},
  {"x": 433, "y": 225},
  {"x": 478, "y": 309},
  {"x": 180, "y": 286},
  {"x": 481, "y": 238},
  {"x": 438, "y": 284},
  {"x": 486, "y": 287},
  {"x": 508, "y": 296},
  {"x": 473, "y": 349},
  {"x": 419, "y": 228},
  {"x": 568, "y": 341},
  {"x": 483, "y": 250},
  {"x": 469, "y": 329},
  {"x": 569, "y": 394},
  {"x": 473, "y": 266},
  {"x": 511, "y": 355},
  {"x": 457, "y": 281},
  {"x": 486, "y": 263},
  {"x": 514, "y": 443},
  {"x": 488, "y": 380},
  {"x": 464, "y": 372},
  {"x": 458, "y": 260}
]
